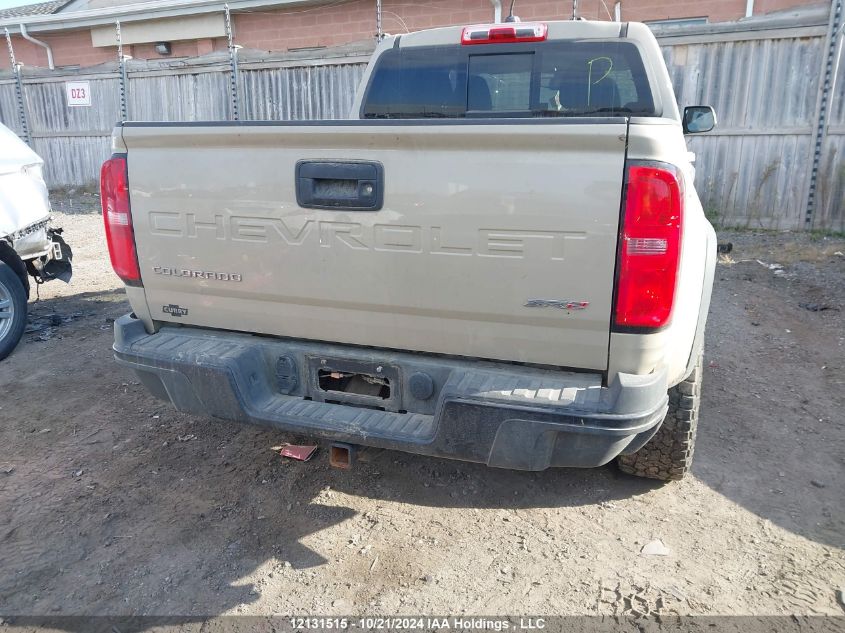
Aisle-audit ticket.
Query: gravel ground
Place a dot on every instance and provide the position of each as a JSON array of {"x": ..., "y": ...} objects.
[{"x": 113, "y": 503}]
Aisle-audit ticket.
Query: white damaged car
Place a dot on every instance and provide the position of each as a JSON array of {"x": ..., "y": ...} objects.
[{"x": 29, "y": 246}]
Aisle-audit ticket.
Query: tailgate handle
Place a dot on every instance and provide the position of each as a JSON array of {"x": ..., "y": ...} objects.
[{"x": 340, "y": 185}]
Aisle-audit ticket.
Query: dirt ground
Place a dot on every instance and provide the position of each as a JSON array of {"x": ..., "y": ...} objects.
[{"x": 112, "y": 503}]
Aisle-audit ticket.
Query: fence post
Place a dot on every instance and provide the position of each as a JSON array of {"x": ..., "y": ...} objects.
[
  {"x": 233, "y": 63},
  {"x": 823, "y": 107},
  {"x": 16, "y": 69}
]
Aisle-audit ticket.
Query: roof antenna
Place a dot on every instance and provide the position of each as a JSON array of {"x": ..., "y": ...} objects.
[
  {"x": 511, "y": 17},
  {"x": 574, "y": 9}
]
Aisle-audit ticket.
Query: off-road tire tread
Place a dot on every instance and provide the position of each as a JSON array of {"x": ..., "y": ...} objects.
[{"x": 668, "y": 455}]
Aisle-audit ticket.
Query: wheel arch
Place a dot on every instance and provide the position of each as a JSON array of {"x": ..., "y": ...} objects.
[
  {"x": 9, "y": 257},
  {"x": 704, "y": 305}
]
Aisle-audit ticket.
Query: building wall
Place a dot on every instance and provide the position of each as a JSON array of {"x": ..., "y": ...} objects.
[{"x": 352, "y": 21}]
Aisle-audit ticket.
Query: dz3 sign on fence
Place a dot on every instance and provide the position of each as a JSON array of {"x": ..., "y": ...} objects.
[{"x": 78, "y": 93}]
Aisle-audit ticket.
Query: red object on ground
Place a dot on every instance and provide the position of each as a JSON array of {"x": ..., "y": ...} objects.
[{"x": 298, "y": 452}]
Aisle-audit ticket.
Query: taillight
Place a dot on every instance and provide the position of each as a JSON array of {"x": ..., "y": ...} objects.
[
  {"x": 649, "y": 245},
  {"x": 504, "y": 33},
  {"x": 114, "y": 196}
]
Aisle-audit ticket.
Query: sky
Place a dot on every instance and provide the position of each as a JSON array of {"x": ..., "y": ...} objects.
[{"x": 6, "y": 4}]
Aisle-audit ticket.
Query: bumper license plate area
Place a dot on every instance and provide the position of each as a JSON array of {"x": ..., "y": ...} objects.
[{"x": 361, "y": 383}]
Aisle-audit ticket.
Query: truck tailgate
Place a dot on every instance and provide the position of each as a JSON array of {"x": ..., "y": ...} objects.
[{"x": 494, "y": 240}]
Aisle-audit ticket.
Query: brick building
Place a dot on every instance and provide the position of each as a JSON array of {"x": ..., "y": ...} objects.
[{"x": 79, "y": 33}]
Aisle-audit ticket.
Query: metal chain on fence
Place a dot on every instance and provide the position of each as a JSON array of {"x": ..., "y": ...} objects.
[
  {"x": 16, "y": 70},
  {"x": 822, "y": 112},
  {"x": 121, "y": 65},
  {"x": 233, "y": 62}
]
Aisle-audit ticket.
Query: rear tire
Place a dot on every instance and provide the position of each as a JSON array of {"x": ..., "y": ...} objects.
[
  {"x": 12, "y": 310},
  {"x": 668, "y": 455}
]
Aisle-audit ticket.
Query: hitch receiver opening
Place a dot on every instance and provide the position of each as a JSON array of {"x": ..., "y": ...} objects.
[{"x": 341, "y": 455}]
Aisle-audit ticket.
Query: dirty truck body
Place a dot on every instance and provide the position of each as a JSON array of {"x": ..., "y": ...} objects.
[{"x": 500, "y": 259}]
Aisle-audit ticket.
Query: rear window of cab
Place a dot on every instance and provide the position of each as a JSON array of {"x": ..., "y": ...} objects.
[{"x": 549, "y": 79}]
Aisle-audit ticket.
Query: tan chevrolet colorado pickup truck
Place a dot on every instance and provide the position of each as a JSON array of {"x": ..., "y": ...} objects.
[{"x": 501, "y": 258}]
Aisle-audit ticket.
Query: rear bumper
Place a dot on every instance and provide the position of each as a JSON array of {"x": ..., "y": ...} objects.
[{"x": 494, "y": 413}]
